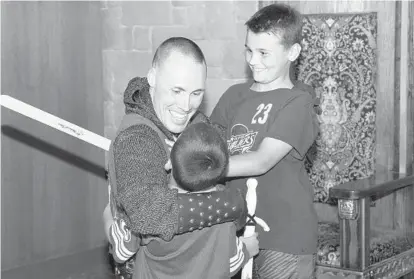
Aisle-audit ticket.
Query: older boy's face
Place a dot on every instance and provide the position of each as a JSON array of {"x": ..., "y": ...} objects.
[
  {"x": 178, "y": 90},
  {"x": 267, "y": 57}
]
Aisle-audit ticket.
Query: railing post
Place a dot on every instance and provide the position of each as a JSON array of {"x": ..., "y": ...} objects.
[{"x": 354, "y": 224}]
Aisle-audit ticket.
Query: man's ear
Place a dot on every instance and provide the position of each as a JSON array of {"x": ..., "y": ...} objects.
[
  {"x": 151, "y": 77},
  {"x": 294, "y": 52}
]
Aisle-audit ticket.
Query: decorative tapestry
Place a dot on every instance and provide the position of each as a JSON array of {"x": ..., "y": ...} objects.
[{"x": 338, "y": 60}]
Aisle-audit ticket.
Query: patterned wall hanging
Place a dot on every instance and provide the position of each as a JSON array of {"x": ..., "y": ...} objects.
[{"x": 338, "y": 60}]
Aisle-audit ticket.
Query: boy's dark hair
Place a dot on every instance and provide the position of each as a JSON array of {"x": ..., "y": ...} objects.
[
  {"x": 199, "y": 157},
  {"x": 279, "y": 19}
]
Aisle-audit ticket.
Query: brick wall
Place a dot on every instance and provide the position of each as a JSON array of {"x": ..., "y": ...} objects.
[{"x": 133, "y": 30}]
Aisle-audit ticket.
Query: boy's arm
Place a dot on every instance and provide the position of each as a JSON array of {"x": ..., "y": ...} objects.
[
  {"x": 293, "y": 128},
  {"x": 228, "y": 102},
  {"x": 269, "y": 153}
]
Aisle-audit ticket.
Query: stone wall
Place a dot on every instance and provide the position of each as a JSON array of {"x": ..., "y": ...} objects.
[{"x": 133, "y": 30}]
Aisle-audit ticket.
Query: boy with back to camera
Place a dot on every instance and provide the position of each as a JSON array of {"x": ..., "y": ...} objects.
[
  {"x": 199, "y": 160},
  {"x": 271, "y": 125}
]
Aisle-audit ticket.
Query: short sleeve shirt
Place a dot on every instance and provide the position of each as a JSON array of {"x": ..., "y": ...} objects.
[{"x": 285, "y": 195}]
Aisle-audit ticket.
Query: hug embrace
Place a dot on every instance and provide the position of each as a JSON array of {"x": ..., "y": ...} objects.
[{"x": 185, "y": 222}]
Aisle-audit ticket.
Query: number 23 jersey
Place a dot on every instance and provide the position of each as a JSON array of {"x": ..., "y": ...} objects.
[{"x": 285, "y": 195}]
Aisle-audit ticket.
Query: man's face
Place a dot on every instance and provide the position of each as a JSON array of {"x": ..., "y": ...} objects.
[
  {"x": 267, "y": 57},
  {"x": 178, "y": 89}
]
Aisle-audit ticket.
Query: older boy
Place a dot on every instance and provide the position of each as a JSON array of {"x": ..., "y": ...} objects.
[{"x": 270, "y": 126}]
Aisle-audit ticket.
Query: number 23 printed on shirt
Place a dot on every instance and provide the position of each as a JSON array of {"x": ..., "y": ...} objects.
[{"x": 262, "y": 114}]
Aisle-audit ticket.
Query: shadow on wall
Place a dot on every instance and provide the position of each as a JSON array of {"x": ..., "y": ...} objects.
[{"x": 53, "y": 150}]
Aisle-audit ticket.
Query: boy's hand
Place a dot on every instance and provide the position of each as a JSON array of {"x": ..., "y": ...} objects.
[
  {"x": 170, "y": 143},
  {"x": 252, "y": 244}
]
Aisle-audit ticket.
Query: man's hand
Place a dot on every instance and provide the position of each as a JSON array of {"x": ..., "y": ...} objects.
[
  {"x": 170, "y": 143},
  {"x": 252, "y": 244}
]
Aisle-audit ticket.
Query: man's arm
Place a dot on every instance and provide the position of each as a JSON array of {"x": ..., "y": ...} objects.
[
  {"x": 124, "y": 244},
  {"x": 154, "y": 209}
]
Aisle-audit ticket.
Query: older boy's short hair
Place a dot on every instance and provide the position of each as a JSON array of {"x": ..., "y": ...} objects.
[
  {"x": 279, "y": 19},
  {"x": 199, "y": 157}
]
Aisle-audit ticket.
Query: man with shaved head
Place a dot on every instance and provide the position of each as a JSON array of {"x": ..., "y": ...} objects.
[{"x": 159, "y": 108}]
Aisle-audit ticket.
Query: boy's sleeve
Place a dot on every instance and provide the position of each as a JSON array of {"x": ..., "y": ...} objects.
[
  {"x": 295, "y": 124},
  {"x": 239, "y": 256},
  {"x": 219, "y": 113},
  {"x": 223, "y": 109},
  {"x": 124, "y": 244}
]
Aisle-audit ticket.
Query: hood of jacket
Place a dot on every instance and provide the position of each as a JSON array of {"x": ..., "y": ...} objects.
[{"x": 137, "y": 99}]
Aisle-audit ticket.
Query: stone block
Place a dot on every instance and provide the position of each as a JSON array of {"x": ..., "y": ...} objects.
[
  {"x": 117, "y": 38},
  {"x": 109, "y": 113},
  {"x": 245, "y": 9},
  {"x": 114, "y": 96},
  {"x": 214, "y": 72},
  {"x": 109, "y": 132},
  {"x": 213, "y": 51},
  {"x": 146, "y": 13},
  {"x": 107, "y": 93},
  {"x": 234, "y": 65},
  {"x": 241, "y": 31},
  {"x": 107, "y": 79},
  {"x": 141, "y": 38},
  {"x": 113, "y": 113},
  {"x": 119, "y": 112},
  {"x": 112, "y": 17},
  {"x": 179, "y": 16},
  {"x": 115, "y": 3},
  {"x": 160, "y": 34},
  {"x": 220, "y": 21},
  {"x": 115, "y": 35},
  {"x": 124, "y": 65},
  {"x": 179, "y": 3},
  {"x": 197, "y": 20}
]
